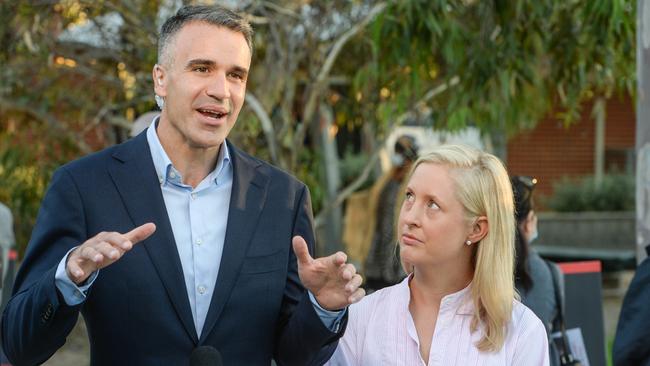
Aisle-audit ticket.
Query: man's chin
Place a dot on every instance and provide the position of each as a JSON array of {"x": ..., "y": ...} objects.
[{"x": 207, "y": 144}]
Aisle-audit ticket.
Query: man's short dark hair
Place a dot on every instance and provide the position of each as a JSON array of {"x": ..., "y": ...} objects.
[{"x": 211, "y": 14}]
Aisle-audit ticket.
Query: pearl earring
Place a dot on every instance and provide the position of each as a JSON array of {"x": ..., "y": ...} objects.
[{"x": 468, "y": 242}]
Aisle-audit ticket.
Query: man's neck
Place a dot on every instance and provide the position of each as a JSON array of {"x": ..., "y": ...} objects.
[{"x": 193, "y": 163}]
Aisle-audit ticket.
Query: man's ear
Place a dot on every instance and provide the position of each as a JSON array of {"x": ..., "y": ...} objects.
[
  {"x": 479, "y": 229},
  {"x": 158, "y": 75}
]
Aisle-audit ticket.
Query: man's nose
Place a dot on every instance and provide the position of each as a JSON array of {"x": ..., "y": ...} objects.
[{"x": 218, "y": 87}]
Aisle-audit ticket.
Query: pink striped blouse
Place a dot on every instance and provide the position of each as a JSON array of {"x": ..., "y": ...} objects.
[{"x": 381, "y": 331}]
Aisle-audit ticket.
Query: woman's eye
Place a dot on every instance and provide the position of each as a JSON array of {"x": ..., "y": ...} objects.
[
  {"x": 409, "y": 196},
  {"x": 433, "y": 205}
]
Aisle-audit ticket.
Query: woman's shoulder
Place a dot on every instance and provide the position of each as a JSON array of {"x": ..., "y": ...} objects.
[{"x": 524, "y": 320}]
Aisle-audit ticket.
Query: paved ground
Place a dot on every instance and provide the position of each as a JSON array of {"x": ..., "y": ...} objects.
[{"x": 76, "y": 350}]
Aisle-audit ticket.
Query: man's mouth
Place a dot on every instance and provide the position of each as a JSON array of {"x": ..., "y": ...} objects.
[{"x": 212, "y": 113}]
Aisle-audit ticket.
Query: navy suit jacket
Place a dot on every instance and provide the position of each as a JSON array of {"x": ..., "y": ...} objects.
[{"x": 137, "y": 311}]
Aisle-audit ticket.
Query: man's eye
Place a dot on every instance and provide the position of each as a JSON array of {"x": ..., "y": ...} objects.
[
  {"x": 201, "y": 69},
  {"x": 236, "y": 76}
]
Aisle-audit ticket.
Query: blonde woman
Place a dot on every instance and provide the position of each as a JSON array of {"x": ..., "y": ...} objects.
[{"x": 458, "y": 305}]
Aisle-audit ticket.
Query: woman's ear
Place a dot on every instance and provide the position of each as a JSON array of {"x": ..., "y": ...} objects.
[
  {"x": 529, "y": 226},
  {"x": 479, "y": 230}
]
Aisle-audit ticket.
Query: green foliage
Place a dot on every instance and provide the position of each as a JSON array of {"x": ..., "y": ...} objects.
[
  {"x": 515, "y": 59},
  {"x": 351, "y": 165},
  {"x": 615, "y": 193},
  {"x": 25, "y": 171}
]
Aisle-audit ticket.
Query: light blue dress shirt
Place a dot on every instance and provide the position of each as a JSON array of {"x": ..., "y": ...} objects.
[{"x": 198, "y": 218}]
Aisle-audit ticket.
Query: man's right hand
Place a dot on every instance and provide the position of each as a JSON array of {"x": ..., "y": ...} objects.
[{"x": 103, "y": 250}]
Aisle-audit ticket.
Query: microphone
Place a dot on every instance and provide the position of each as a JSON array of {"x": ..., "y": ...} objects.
[{"x": 205, "y": 356}]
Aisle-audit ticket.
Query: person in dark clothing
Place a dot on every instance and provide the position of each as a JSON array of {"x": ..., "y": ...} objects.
[
  {"x": 632, "y": 342},
  {"x": 533, "y": 278}
]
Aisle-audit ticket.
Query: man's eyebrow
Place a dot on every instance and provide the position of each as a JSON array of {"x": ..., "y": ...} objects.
[
  {"x": 199, "y": 62},
  {"x": 212, "y": 64},
  {"x": 241, "y": 70}
]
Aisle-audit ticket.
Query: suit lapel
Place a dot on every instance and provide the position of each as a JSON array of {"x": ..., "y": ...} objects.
[
  {"x": 134, "y": 175},
  {"x": 247, "y": 199}
]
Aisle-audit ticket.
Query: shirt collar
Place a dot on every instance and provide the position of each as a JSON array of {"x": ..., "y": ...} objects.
[
  {"x": 166, "y": 171},
  {"x": 460, "y": 300}
]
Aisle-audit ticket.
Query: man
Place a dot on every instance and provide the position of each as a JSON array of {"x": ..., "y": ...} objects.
[{"x": 176, "y": 239}]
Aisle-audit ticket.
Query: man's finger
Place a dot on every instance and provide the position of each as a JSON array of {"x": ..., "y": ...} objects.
[
  {"x": 74, "y": 270},
  {"x": 354, "y": 283},
  {"x": 339, "y": 258},
  {"x": 357, "y": 295},
  {"x": 91, "y": 254},
  {"x": 141, "y": 232},
  {"x": 301, "y": 250},
  {"x": 348, "y": 272},
  {"x": 108, "y": 250}
]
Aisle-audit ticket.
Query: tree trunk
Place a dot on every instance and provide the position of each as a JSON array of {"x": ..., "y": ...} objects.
[
  {"x": 330, "y": 233},
  {"x": 599, "y": 114}
]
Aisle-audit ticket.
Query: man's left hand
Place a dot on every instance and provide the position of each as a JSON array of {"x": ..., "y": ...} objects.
[{"x": 333, "y": 282}]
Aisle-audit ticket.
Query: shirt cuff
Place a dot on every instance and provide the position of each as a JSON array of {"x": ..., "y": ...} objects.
[
  {"x": 71, "y": 293},
  {"x": 331, "y": 319}
]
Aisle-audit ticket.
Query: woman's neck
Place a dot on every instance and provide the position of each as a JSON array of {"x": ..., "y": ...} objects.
[{"x": 430, "y": 284}]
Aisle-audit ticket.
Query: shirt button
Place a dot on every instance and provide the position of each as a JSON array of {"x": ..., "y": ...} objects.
[
  {"x": 201, "y": 290},
  {"x": 160, "y": 179},
  {"x": 199, "y": 241},
  {"x": 172, "y": 175},
  {"x": 193, "y": 195}
]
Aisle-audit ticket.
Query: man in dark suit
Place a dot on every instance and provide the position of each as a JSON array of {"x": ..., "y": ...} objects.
[{"x": 176, "y": 239}]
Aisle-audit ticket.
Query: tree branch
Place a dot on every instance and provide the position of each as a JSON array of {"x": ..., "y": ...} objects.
[
  {"x": 265, "y": 121},
  {"x": 319, "y": 220},
  {"x": 319, "y": 84},
  {"x": 52, "y": 122}
]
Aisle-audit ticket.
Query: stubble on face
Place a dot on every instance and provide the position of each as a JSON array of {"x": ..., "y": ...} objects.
[{"x": 204, "y": 84}]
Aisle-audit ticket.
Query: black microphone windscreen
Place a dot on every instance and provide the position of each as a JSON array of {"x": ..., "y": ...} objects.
[{"x": 205, "y": 356}]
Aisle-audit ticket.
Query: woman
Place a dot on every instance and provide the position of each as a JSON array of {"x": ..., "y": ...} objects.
[
  {"x": 457, "y": 306},
  {"x": 533, "y": 278}
]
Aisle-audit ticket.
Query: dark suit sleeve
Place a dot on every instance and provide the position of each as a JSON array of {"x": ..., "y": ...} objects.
[
  {"x": 633, "y": 333},
  {"x": 303, "y": 339},
  {"x": 36, "y": 320}
]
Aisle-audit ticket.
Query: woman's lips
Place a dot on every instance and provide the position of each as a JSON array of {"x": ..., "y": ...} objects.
[{"x": 408, "y": 239}]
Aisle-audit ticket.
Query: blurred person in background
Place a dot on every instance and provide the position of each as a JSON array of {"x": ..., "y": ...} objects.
[
  {"x": 533, "y": 278},
  {"x": 382, "y": 266}
]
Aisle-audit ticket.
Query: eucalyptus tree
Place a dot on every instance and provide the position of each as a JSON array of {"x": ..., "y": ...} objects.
[{"x": 76, "y": 72}]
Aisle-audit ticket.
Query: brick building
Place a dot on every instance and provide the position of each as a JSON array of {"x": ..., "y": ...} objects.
[{"x": 551, "y": 151}]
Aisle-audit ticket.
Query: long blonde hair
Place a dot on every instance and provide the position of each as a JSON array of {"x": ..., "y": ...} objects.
[{"x": 483, "y": 188}]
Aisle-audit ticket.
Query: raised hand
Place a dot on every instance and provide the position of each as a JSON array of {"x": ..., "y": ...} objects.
[
  {"x": 102, "y": 250},
  {"x": 334, "y": 283}
]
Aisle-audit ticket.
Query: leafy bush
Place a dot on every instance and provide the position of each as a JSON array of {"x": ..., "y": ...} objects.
[{"x": 615, "y": 193}]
